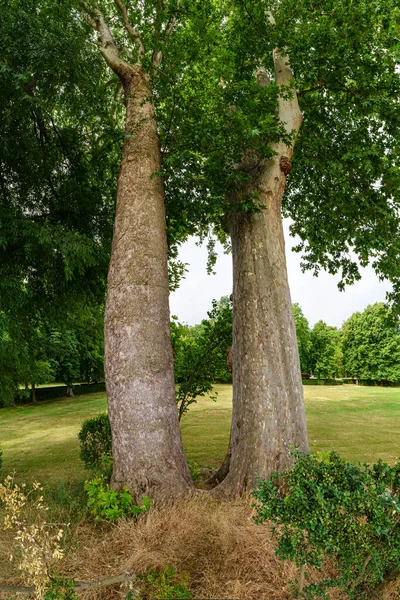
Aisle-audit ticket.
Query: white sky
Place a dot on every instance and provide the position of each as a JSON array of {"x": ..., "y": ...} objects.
[{"x": 319, "y": 296}]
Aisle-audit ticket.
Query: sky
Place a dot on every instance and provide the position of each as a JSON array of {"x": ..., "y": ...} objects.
[{"x": 318, "y": 297}]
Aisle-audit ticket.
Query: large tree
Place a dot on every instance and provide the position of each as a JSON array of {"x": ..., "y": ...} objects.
[
  {"x": 148, "y": 454},
  {"x": 333, "y": 66},
  {"x": 371, "y": 344}
]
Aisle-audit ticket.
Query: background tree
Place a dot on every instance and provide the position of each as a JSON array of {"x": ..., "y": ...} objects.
[
  {"x": 303, "y": 335},
  {"x": 325, "y": 351},
  {"x": 371, "y": 344},
  {"x": 200, "y": 354}
]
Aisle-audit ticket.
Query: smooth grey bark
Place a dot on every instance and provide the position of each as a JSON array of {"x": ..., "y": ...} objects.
[
  {"x": 147, "y": 448},
  {"x": 268, "y": 415}
]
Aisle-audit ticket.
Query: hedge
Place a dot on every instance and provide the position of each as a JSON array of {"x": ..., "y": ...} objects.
[
  {"x": 322, "y": 381},
  {"x": 59, "y": 391}
]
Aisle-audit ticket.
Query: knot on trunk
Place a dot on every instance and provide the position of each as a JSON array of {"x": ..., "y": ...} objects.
[{"x": 285, "y": 165}]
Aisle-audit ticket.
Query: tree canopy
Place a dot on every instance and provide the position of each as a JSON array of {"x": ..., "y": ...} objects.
[{"x": 371, "y": 344}]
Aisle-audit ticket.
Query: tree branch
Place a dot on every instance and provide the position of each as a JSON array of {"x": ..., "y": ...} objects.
[
  {"x": 289, "y": 109},
  {"x": 108, "y": 47},
  {"x": 130, "y": 29},
  {"x": 126, "y": 577},
  {"x": 172, "y": 22}
]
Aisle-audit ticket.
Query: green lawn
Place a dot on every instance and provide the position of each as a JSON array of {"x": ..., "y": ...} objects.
[{"x": 361, "y": 423}]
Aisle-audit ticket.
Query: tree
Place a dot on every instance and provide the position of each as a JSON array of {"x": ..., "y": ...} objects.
[
  {"x": 303, "y": 335},
  {"x": 371, "y": 344},
  {"x": 148, "y": 454},
  {"x": 325, "y": 350},
  {"x": 337, "y": 85},
  {"x": 56, "y": 179},
  {"x": 200, "y": 354}
]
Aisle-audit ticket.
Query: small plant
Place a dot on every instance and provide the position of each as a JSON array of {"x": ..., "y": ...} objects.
[
  {"x": 325, "y": 507},
  {"x": 37, "y": 544},
  {"x": 109, "y": 505},
  {"x": 162, "y": 585},
  {"x": 95, "y": 443},
  {"x": 194, "y": 469},
  {"x": 60, "y": 588}
]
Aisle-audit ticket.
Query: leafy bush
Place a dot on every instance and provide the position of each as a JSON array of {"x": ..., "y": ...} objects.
[
  {"x": 163, "y": 585},
  {"x": 60, "y": 588},
  {"x": 110, "y": 505},
  {"x": 326, "y": 507},
  {"x": 95, "y": 443},
  {"x": 194, "y": 469}
]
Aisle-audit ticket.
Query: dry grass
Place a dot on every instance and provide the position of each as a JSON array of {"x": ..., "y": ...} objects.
[{"x": 217, "y": 543}]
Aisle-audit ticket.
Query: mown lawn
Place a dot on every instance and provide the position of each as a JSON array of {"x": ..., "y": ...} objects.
[{"x": 361, "y": 423}]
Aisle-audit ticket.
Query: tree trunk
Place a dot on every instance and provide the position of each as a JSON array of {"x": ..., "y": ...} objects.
[
  {"x": 148, "y": 454},
  {"x": 34, "y": 400},
  {"x": 70, "y": 391},
  {"x": 268, "y": 416},
  {"x": 268, "y": 407}
]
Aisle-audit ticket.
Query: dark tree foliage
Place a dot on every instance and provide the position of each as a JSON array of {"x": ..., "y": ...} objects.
[{"x": 57, "y": 175}]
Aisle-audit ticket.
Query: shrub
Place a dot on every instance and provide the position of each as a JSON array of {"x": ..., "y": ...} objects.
[
  {"x": 110, "y": 505},
  {"x": 60, "y": 588},
  {"x": 95, "y": 443},
  {"x": 162, "y": 585},
  {"x": 194, "y": 469},
  {"x": 326, "y": 507}
]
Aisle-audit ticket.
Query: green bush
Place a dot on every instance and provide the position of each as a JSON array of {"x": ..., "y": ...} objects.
[
  {"x": 60, "y": 588},
  {"x": 194, "y": 469},
  {"x": 110, "y": 505},
  {"x": 325, "y": 507},
  {"x": 95, "y": 443},
  {"x": 162, "y": 585}
]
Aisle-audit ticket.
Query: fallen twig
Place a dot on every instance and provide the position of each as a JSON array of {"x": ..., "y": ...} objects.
[{"x": 126, "y": 577}]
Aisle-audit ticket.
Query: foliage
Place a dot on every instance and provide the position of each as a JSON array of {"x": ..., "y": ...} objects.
[
  {"x": 57, "y": 161},
  {"x": 60, "y": 588},
  {"x": 371, "y": 344},
  {"x": 96, "y": 443},
  {"x": 38, "y": 543},
  {"x": 325, "y": 507},
  {"x": 194, "y": 469},
  {"x": 325, "y": 353},
  {"x": 201, "y": 353},
  {"x": 303, "y": 334},
  {"x": 106, "y": 504},
  {"x": 162, "y": 585}
]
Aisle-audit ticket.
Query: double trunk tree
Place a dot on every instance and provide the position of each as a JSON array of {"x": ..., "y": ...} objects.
[{"x": 148, "y": 455}]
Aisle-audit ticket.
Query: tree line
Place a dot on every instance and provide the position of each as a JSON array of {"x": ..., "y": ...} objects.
[{"x": 366, "y": 347}]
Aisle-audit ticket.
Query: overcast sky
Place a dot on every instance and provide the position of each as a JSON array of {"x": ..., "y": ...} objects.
[{"x": 319, "y": 296}]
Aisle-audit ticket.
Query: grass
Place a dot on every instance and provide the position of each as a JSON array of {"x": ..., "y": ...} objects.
[{"x": 360, "y": 423}]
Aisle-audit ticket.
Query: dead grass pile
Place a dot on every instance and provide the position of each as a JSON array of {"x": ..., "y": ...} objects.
[{"x": 217, "y": 543}]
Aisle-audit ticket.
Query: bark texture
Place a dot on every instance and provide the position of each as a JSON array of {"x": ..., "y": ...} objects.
[
  {"x": 268, "y": 406},
  {"x": 147, "y": 447}
]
